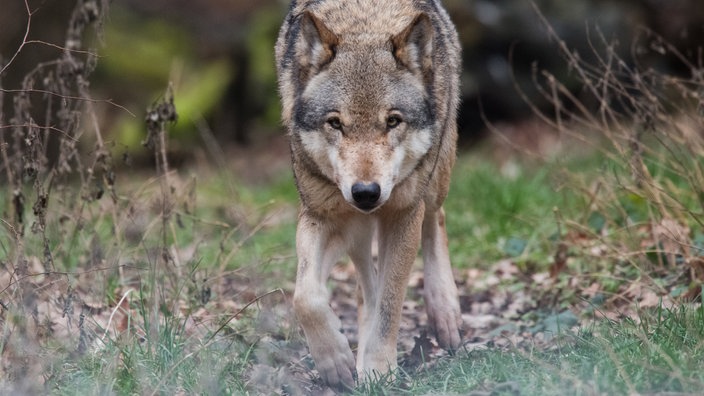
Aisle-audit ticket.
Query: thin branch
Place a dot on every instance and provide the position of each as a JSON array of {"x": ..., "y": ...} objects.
[
  {"x": 51, "y": 128},
  {"x": 119, "y": 305},
  {"x": 256, "y": 299},
  {"x": 24, "y": 39},
  {"x": 62, "y": 96},
  {"x": 59, "y": 47}
]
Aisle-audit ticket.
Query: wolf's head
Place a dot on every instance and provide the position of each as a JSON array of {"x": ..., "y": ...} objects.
[{"x": 364, "y": 118}]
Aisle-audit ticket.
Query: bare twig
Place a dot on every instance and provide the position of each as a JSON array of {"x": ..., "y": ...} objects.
[
  {"x": 24, "y": 39},
  {"x": 112, "y": 314},
  {"x": 69, "y": 97},
  {"x": 212, "y": 336}
]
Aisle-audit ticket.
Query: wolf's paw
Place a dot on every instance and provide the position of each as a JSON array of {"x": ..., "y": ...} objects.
[
  {"x": 445, "y": 321},
  {"x": 338, "y": 372},
  {"x": 376, "y": 360},
  {"x": 335, "y": 363}
]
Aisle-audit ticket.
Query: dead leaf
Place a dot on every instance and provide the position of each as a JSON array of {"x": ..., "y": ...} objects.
[
  {"x": 559, "y": 260},
  {"x": 672, "y": 238},
  {"x": 696, "y": 268},
  {"x": 505, "y": 269},
  {"x": 122, "y": 314},
  {"x": 649, "y": 299},
  {"x": 592, "y": 290},
  {"x": 540, "y": 278},
  {"x": 420, "y": 352}
]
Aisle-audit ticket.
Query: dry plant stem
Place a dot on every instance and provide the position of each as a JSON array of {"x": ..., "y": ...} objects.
[
  {"x": 573, "y": 61},
  {"x": 156, "y": 141},
  {"x": 14, "y": 261},
  {"x": 617, "y": 253},
  {"x": 256, "y": 299},
  {"x": 5, "y": 158},
  {"x": 15, "y": 228},
  {"x": 214, "y": 149},
  {"x": 75, "y": 51},
  {"x": 166, "y": 205},
  {"x": 62, "y": 96},
  {"x": 24, "y": 40},
  {"x": 634, "y": 104},
  {"x": 592, "y": 201},
  {"x": 541, "y": 116},
  {"x": 3, "y": 142},
  {"x": 24, "y": 153},
  {"x": 112, "y": 314},
  {"x": 64, "y": 134}
]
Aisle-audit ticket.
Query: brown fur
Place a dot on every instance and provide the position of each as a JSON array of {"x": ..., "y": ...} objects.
[{"x": 369, "y": 92}]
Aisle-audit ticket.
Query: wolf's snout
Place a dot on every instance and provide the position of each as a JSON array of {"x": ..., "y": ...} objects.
[{"x": 366, "y": 195}]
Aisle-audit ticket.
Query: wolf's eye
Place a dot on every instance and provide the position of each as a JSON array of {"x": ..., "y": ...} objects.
[
  {"x": 393, "y": 121},
  {"x": 334, "y": 123}
]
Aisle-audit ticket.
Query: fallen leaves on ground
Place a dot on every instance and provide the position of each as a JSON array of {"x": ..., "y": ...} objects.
[{"x": 509, "y": 304}]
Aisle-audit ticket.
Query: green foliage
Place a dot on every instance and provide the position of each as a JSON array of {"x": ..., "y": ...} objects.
[
  {"x": 149, "y": 54},
  {"x": 491, "y": 215},
  {"x": 659, "y": 353},
  {"x": 143, "y": 50}
]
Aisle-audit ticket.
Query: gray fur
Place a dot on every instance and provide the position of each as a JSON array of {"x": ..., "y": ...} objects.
[{"x": 369, "y": 91}]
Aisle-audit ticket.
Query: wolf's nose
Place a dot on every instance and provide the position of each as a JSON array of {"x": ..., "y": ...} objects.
[{"x": 366, "y": 195}]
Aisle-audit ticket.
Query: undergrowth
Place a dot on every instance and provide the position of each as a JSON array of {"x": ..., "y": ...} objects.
[
  {"x": 645, "y": 209},
  {"x": 114, "y": 279},
  {"x": 659, "y": 353}
]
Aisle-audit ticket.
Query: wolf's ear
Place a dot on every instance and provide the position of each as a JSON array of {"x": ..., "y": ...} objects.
[
  {"x": 317, "y": 46},
  {"x": 413, "y": 47}
]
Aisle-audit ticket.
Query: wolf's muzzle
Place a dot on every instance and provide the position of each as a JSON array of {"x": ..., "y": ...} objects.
[{"x": 366, "y": 195}]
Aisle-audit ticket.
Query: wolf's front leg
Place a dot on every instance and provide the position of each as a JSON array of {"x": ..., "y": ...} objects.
[
  {"x": 318, "y": 249},
  {"x": 441, "y": 297},
  {"x": 399, "y": 239}
]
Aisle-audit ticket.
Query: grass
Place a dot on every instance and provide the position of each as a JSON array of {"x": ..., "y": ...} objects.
[
  {"x": 492, "y": 215},
  {"x": 166, "y": 364},
  {"x": 660, "y": 353}
]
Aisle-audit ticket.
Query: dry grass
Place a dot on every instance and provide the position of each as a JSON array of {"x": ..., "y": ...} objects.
[{"x": 644, "y": 210}]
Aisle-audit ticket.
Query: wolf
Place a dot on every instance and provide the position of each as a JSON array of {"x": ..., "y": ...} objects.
[{"x": 369, "y": 92}]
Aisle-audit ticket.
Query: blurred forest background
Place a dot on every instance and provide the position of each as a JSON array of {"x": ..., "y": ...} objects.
[{"x": 219, "y": 56}]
